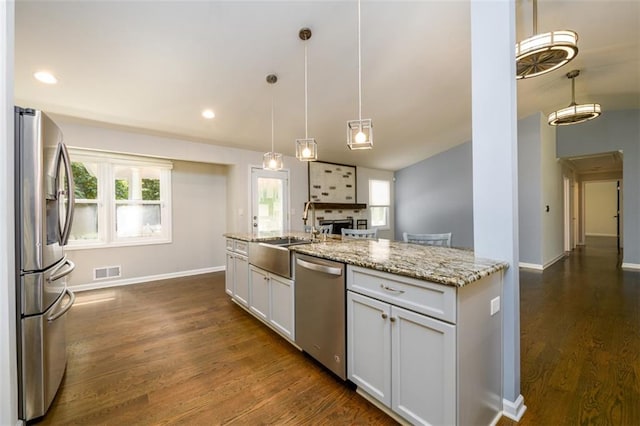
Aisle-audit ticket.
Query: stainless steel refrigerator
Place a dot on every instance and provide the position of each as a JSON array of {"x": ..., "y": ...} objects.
[{"x": 44, "y": 213}]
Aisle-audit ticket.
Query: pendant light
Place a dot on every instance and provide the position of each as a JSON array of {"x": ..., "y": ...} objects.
[
  {"x": 574, "y": 114},
  {"x": 360, "y": 132},
  {"x": 272, "y": 160},
  {"x": 307, "y": 148},
  {"x": 546, "y": 52}
]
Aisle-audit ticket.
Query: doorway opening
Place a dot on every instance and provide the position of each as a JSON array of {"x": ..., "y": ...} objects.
[{"x": 593, "y": 213}]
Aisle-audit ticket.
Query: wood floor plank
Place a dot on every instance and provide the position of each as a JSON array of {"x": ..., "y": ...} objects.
[{"x": 180, "y": 352}]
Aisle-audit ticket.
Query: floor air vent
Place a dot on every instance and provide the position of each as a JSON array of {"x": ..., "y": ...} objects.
[{"x": 106, "y": 272}]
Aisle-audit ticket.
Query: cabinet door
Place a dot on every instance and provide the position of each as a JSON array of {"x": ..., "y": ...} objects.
[
  {"x": 282, "y": 305},
  {"x": 259, "y": 290},
  {"x": 423, "y": 368},
  {"x": 241, "y": 283},
  {"x": 229, "y": 275},
  {"x": 369, "y": 345}
]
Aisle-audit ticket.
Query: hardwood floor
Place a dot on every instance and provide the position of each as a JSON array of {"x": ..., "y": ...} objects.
[
  {"x": 180, "y": 352},
  {"x": 580, "y": 340}
]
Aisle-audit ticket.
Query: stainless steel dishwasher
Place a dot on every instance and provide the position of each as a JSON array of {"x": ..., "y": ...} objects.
[{"x": 320, "y": 311}]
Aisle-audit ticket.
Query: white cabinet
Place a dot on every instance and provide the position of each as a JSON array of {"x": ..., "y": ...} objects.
[
  {"x": 272, "y": 300},
  {"x": 237, "y": 271},
  {"x": 230, "y": 275},
  {"x": 259, "y": 290},
  {"x": 282, "y": 305},
  {"x": 369, "y": 345},
  {"x": 423, "y": 368},
  {"x": 403, "y": 359},
  {"x": 429, "y": 352}
]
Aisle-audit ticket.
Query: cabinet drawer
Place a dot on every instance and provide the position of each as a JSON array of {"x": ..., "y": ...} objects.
[
  {"x": 242, "y": 247},
  {"x": 436, "y": 300},
  {"x": 230, "y": 244}
]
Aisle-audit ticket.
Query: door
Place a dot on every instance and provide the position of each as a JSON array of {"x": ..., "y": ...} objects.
[
  {"x": 43, "y": 357},
  {"x": 282, "y": 305},
  {"x": 423, "y": 368},
  {"x": 229, "y": 275},
  {"x": 44, "y": 190},
  {"x": 369, "y": 345},
  {"x": 241, "y": 284},
  {"x": 269, "y": 201},
  {"x": 259, "y": 290}
]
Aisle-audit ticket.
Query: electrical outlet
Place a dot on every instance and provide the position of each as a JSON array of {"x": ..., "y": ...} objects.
[{"x": 495, "y": 305}]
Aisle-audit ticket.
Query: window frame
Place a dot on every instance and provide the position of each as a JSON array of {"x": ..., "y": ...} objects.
[
  {"x": 386, "y": 207},
  {"x": 106, "y": 164}
]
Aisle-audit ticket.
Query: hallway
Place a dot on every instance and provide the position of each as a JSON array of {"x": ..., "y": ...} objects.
[{"x": 580, "y": 340}]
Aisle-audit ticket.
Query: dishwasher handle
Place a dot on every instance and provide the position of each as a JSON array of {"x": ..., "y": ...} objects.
[{"x": 319, "y": 268}]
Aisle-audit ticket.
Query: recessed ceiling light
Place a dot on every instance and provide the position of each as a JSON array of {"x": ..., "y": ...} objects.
[
  {"x": 207, "y": 113},
  {"x": 45, "y": 77}
]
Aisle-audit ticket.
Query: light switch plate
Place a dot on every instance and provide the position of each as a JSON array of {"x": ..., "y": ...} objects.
[{"x": 495, "y": 305}]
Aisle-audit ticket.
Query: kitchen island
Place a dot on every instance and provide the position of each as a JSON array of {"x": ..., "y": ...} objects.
[{"x": 424, "y": 327}]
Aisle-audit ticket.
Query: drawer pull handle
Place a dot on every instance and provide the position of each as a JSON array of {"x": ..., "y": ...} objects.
[
  {"x": 392, "y": 319},
  {"x": 384, "y": 316},
  {"x": 391, "y": 289}
]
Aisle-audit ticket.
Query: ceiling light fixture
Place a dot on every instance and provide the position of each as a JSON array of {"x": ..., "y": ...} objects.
[
  {"x": 45, "y": 77},
  {"x": 574, "y": 114},
  {"x": 546, "y": 52},
  {"x": 208, "y": 114},
  {"x": 360, "y": 132},
  {"x": 272, "y": 160},
  {"x": 307, "y": 148}
]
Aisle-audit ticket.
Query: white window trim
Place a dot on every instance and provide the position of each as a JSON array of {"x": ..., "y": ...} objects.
[
  {"x": 387, "y": 226},
  {"x": 106, "y": 200}
]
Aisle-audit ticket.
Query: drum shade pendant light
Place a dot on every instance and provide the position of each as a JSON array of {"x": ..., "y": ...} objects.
[
  {"x": 360, "y": 132},
  {"x": 574, "y": 114},
  {"x": 307, "y": 148},
  {"x": 546, "y": 52},
  {"x": 272, "y": 160}
]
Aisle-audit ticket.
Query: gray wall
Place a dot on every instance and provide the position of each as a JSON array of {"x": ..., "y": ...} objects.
[
  {"x": 529, "y": 190},
  {"x": 198, "y": 192},
  {"x": 436, "y": 195},
  {"x": 614, "y": 130}
]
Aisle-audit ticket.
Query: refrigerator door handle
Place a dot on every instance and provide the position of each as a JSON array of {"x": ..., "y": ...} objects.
[
  {"x": 71, "y": 199},
  {"x": 72, "y": 299},
  {"x": 55, "y": 275}
]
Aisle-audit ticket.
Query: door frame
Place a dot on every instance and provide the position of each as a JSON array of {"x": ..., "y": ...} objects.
[{"x": 287, "y": 216}]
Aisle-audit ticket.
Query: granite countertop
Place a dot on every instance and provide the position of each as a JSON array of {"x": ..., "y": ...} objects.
[
  {"x": 443, "y": 265},
  {"x": 248, "y": 237}
]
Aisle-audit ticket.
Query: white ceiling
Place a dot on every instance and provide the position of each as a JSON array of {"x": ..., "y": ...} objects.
[{"x": 154, "y": 65}]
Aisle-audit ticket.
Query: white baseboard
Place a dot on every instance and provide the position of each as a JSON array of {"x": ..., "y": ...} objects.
[
  {"x": 554, "y": 260},
  {"x": 514, "y": 410},
  {"x": 138, "y": 280},
  {"x": 534, "y": 266},
  {"x": 538, "y": 267},
  {"x": 496, "y": 419},
  {"x": 632, "y": 266}
]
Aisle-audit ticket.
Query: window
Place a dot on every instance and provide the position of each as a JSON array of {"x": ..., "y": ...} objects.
[
  {"x": 379, "y": 202},
  {"x": 120, "y": 200}
]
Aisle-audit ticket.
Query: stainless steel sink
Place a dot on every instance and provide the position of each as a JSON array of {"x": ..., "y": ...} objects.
[{"x": 274, "y": 255}]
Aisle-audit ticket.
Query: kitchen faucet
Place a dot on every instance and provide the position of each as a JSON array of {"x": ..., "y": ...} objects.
[{"x": 305, "y": 215}]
